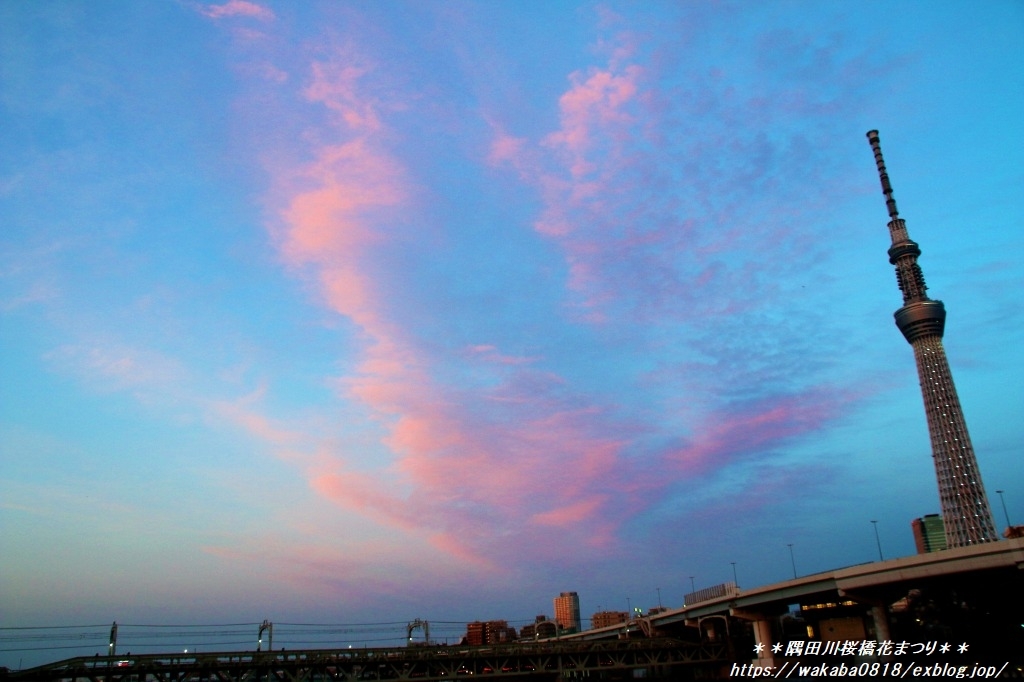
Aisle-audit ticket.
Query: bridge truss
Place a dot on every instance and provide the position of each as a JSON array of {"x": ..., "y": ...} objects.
[{"x": 541, "y": 660}]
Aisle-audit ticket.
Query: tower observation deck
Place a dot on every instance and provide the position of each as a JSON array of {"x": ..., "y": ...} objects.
[{"x": 965, "y": 508}]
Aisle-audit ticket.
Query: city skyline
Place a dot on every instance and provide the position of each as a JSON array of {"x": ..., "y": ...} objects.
[{"x": 352, "y": 313}]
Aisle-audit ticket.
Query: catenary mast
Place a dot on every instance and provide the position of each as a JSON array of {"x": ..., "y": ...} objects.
[{"x": 965, "y": 509}]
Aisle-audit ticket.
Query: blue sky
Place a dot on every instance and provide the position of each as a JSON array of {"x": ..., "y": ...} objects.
[{"x": 350, "y": 312}]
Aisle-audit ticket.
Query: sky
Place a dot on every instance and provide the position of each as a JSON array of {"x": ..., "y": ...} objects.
[{"x": 345, "y": 312}]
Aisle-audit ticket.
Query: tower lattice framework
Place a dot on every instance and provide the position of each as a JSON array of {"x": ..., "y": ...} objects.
[{"x": 965, "y": 508}]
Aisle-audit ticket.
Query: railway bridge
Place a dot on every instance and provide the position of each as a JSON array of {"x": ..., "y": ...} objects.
[{"x": 619, "y": 659}]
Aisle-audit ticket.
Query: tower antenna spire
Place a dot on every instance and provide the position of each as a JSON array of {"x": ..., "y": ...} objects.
[
  {"x": 876, "y": 147},
  {"x": 965, "y": 509}
]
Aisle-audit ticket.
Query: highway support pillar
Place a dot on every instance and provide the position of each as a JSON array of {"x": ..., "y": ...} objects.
[
  {"x": 879, "y": 613},
  {"x": 762, "y": 635}
]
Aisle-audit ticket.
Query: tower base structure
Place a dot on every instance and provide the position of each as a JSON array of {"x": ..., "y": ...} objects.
[{"x": 965, "y": 510}]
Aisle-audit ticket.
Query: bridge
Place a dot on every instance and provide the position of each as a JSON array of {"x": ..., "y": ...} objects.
[
  {"x": 659, "y": 658},
  {"x": 857, "y": 602}
]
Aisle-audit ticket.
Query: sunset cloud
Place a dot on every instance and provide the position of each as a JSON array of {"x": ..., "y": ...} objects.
[
  {"x": 542, "y": 458},
  {"x": 593, "y": 102},
  {"x": 238, "y": 8},
  {"x": 335, "y": 86}
]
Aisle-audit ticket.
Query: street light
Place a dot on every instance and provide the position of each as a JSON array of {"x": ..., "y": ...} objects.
[
  {"x": 735, "y": 580},
  {"x": 693, "y": 586},
  {"x": 877, "y": 541},
  {"x": 791, "y": 559},
  {"x": 1005, "y": 513}
]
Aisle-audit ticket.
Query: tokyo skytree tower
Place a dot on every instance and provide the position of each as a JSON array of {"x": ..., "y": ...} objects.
[{"x": 965, "y": 510}]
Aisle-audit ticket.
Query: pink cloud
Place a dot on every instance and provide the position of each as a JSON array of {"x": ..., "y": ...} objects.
[
  {"x": 330, "y": 223},
  {"x": 469, "y": 482},
  {"x": 448, "y": 544},
  {"x": 364, "y": 493},
  {"x": 238, "y": 8},
  {"x": 655, "y": 220},
  {"x": 505, "y": 148},
  {"x": 345, "y": 183},
  {"x": 491, "y": 354},
  {"x": 337, "y": 217},
  {"x": 258, "y": 425},
  {"x": 576, "y": 169},
  {"x": 587, "y": 109},
  {"x": 336, "y": 87},
  {"x": 569, "y": 515},
  {"x": 757, "y": 428},
  {"x": 465, "y": 479}
]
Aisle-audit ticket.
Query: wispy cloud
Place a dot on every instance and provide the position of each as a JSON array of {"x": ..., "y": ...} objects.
[
  {"x": 466, "y": 461},
  {"x": 675, "y": 264},
  {"x": 108, "y": 365},
  {"x": 750, "y": 428},
  {"x": 666, "y": 232},
  {"x": 246, "y": 416},
  {"x": 238, "y": 8},
  {"x": 497, "y": 468}
]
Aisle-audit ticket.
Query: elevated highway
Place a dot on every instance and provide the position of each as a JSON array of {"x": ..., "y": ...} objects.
[{"x": 992, "y": 573}]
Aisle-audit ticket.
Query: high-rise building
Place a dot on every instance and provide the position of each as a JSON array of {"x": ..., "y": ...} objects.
[
  {"x": 567, "y": 612},
  {"x": 965, "y": 508},
  {"x": 929, "y": 533}
]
